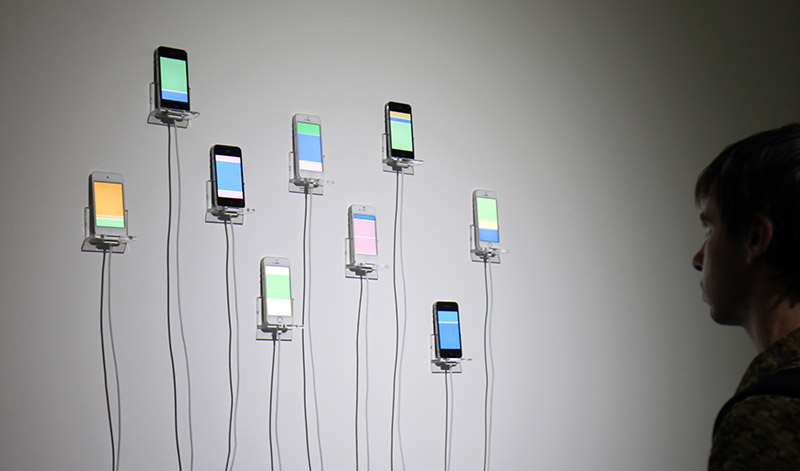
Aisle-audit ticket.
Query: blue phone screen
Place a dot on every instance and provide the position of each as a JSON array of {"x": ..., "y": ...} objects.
[{"x": 449, "y": 332}]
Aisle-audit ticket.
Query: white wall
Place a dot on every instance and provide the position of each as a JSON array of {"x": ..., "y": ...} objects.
[{"x": 591, "y": 122}]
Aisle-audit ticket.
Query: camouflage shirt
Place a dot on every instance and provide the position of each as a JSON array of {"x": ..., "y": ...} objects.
[{"x": 762, "y": 432}]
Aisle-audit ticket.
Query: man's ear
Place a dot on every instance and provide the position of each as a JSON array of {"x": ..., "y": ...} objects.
[{"x": 760, "y": 238}]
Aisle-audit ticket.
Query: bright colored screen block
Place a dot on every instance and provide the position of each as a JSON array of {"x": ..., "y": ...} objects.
[
  {"x": 488, "y": 229},
  {"x": 449, "y": 336},
  {"x": 174, "y": 80},
  {"x": 278, "y": 290},
  {"x": 229, "y": 176},
  {"x": 109, "y": 208},
  {"x": 309, "y": 146},
  {"x": 364, "y": 234},
  {"x": 400, "y": 131}
]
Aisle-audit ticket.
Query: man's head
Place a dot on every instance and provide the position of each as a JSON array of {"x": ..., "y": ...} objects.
[{"x": 750, "y": 196}]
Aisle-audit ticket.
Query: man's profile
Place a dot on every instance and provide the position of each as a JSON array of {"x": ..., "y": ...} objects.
[{"x": 750, "y": 263}]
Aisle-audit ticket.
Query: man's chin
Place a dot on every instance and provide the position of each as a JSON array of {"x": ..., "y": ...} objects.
[{"x": 723, "y": 318}]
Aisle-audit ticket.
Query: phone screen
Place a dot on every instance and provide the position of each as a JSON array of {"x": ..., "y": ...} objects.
[
  {"x": 109, "y": 207},
  {"x": 365, "y": 238},
  {"x": 278, "y": 290},
  {"x": 174, "y": 79},
  {"x": 400, "y": 131},
  {"x": 309, "y": 146},
  {"x": 228, "y": 171},
  {"x": 488, "y": 229},
  {"x": 449, "y": 332}
]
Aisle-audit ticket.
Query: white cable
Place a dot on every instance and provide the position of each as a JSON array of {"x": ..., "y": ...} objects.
[
  {"x": 310, "y": 341},
  {"x": 178, "y": 298},
  {"x": 236, "y": 336},
  {"x": 452, "y": 412},
  {"x": 366, "y": 369},
  {"x": 405, "y": 322},
  {"x": 277, "y": 396}
]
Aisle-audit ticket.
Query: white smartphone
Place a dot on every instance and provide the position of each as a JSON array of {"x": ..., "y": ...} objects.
[
  {"x": 307, "y": 146},
  {"x": 363, "y": 232},
  {"x": 107, "y": 203},
  {"x": 276, "y": 291},
  {"x": 485, "y": 220}
]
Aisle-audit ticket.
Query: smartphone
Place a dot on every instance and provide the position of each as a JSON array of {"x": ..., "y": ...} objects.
[
  {"x": 399, "y": 131},
  {"x": 485, "y": 220},
  {"x": 171, "y": 78},
  {"x": 276, "y": 291},
  {"x": 363, "y": 235},
  {"x": 107, "y": 203},
  {"x": 447, "y": 329},
  {"x": 307, "y": 141},
  {"x": 227, "y": 176}
]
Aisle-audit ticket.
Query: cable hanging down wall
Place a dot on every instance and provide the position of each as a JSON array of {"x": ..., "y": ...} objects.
[
  {"x": 114, "y": 462},
  {"x": 170, "y": 128},
  {"x": 397, "y": 259},
  {"x": 358, "y": 332},
  {"x": 229, "y": 457},
  {"x": 488, "y": 363},
  {"x": 306, "y": 323},
  {"x": 362, "y": 317}
]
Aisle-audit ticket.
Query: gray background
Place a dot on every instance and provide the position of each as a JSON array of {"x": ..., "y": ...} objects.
[{"x": 590, "y": 121}]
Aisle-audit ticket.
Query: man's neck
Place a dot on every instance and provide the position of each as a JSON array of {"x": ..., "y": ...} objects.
[{"x": 772, "y": 321}]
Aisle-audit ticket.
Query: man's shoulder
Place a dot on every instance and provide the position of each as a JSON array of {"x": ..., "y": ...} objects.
[{"x": 759, "y": 432}]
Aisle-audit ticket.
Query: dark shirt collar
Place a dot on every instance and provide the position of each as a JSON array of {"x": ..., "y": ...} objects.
[{"x": 781, "y": 354}]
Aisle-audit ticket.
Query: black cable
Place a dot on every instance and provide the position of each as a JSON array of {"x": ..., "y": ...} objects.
[
  {"x": 105, "y": 369},
  {"x": 275, "y": 341},
  {"x": 358, "y": 332},
  {"x": 230, "y": 342},
  {"x": 116, "y": 366},
  {"x": 303, "y": 336},
  {"x": 169, "y": 319},
  {"x": 396, "y": 317},
  {"x": 486, "y": 428}
]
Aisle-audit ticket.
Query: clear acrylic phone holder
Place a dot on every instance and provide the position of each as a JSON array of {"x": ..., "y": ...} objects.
[
  {"x": 482, "y": 254},
  {"x": 312, "y": 186},
  {"x": 444, "y": 365},
  {"x": 102, "y": 242},
  {"x": 168, "y": 116},
  {"x": 368, "y": 271},
  {"x": 223, "y": 214},
  {"x": 394, "y": 165},
  {"x": 265, "y": 331}
]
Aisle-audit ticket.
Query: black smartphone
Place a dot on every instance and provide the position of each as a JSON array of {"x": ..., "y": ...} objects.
[
  {"x": 447, "y": 329},
  {"x": 399, "y": 131},
  {"x": 227, "y": 176},
  {"x": 171, "y": 78}
]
